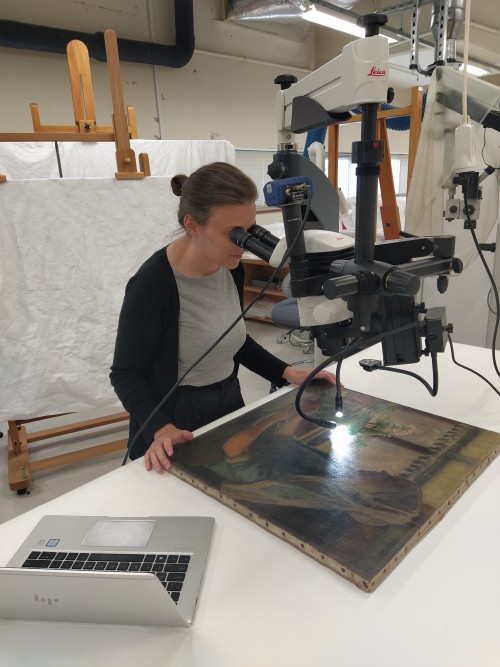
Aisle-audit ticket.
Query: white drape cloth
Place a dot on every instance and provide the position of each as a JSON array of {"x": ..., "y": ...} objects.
[
  {"x": 67, "y": 249},
  {"x": 39, "y": 159}
]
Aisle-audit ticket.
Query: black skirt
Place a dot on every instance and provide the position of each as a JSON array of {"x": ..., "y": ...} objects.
[{"x": 197, "y": 406}]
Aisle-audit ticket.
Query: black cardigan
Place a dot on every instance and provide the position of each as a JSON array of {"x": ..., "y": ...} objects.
[{"x": 145, "y": 361}]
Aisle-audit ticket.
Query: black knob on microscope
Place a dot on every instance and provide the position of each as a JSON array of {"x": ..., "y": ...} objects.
[
  {"x": 371, "y": 23},
  {"x": 276, "y": 170},
  {"x": 442, "y": 284},
  {"x": 285, "y": 80},
  {"x": 402, "y": 283}
]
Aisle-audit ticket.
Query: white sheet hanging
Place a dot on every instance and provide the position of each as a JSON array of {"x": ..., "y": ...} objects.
[
  {"x": 39, "y": 159},
  {"x": 28, "y": 160},
  {"x": 67, "y": 248},
  {"x": 166, "y": 158},
  {"x": 435, "y": 156}
]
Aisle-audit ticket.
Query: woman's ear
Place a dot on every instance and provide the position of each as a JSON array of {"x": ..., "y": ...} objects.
[{"x": 190, "y": 224}]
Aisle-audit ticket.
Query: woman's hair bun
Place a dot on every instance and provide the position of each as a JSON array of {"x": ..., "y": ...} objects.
[{"x": 176, "y": 184}]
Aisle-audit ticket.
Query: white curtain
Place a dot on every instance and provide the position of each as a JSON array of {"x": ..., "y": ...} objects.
[{"x": 67, "y": 248}]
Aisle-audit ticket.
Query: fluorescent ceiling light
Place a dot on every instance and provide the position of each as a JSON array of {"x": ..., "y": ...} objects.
[
  {"x": 330, "y": 21},
  {"x": 473, "y": 69}
]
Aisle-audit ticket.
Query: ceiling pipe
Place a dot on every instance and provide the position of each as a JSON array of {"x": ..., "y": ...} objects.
[{"x": 16, "y": 35}]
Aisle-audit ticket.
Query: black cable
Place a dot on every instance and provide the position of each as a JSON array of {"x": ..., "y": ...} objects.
[
  {"x": 490, "y": 276},
  {"x": 339, "y": 356},
  {"x": 493, "y": 312},
  {"x": 230, "y": 327},
  {"x": 289, "y": 336},
  {"x": 452, "y": 350},
  {"x": 352, "y": 347},
  {"x": 435, "y": 383},
  {"x": 482, "y": 153},
  {"x": 339, "y": 407}
]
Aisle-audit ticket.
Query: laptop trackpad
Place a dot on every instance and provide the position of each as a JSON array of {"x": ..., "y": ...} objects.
[{"x": 116, "y": 533}]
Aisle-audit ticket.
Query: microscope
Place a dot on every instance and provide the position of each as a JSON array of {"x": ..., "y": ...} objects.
[{"x": 349, "y": 289}]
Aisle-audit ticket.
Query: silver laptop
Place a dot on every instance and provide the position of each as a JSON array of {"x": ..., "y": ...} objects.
[{"x": 93, "y": 569}]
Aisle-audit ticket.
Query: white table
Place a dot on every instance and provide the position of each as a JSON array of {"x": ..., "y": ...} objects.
[{"x": 264, "y": 603}]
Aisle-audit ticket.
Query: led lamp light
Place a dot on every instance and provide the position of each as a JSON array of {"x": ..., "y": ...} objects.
[{"x": 330, "y": 21}]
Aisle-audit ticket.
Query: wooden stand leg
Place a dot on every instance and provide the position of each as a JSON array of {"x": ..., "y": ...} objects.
[
  {"x": 21, "y": 468},
  {"x": 18, "y": 458},
  {"x": 417, "y": 98},
  {"x": 333, "y": 155},
  {"x": 389, "y": 210},
  {"x": 125, "y": 156},
  {"x": 144, "y": 164}
]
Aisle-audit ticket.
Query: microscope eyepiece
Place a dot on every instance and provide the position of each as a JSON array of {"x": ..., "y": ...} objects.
[{"x": 245, "y": 240}]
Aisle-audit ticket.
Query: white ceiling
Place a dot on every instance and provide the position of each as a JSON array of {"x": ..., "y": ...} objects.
[
  {"x": 283, "y": 17},
  {"x": 484, "y": 45}
]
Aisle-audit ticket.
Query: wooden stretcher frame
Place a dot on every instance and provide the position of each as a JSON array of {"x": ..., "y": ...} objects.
[
  {"x": 358, "y": 515},
  {"x": 389, "y": 210},
  {"x": 85, "y": 128}
]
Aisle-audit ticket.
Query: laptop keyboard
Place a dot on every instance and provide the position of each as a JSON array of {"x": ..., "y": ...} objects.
[{"x": 169, "y": 568}]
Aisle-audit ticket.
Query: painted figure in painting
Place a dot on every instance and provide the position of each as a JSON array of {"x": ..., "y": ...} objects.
[{"x": 271, "y": 463}]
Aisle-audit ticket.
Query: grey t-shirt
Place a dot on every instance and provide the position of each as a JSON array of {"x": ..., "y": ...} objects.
[{"x": 207, "y": 307}]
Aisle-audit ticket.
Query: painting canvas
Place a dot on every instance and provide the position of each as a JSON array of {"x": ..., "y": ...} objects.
[{"x": 355, "y": 498}]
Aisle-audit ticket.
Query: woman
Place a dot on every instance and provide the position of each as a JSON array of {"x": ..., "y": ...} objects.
[{"x": 176, "y": 306}]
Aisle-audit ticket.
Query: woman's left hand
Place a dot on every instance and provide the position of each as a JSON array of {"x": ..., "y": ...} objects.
[{"x": 296, "y": 376}]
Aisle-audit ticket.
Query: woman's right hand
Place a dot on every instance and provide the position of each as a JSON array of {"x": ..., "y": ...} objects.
[{"x": 163, "y": 446}]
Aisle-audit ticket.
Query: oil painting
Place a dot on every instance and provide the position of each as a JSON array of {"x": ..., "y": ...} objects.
[{"x": 355, "y": 498}]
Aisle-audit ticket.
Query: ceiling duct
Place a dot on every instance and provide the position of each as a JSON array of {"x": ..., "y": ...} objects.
[
  {"x": 280, "y": 17},
  {"x": 18, "y": 35}
]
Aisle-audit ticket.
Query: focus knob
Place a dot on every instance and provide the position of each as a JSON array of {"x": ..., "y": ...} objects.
[
  {"x": 343, "y": 286},
  {"x": 329, "y": 312},
  {"x": 401, "y": 283}
]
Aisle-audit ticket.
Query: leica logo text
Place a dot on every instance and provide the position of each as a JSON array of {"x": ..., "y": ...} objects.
[{"x": 375, "y": 71}]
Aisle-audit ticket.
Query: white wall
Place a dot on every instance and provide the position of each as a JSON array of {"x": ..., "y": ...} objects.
[
  {"x": 226, "y": 91},
  {"x": 227, "y": 95}
]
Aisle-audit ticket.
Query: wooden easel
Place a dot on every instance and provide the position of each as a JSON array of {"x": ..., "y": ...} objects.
[
  {"x": 20, "y": 466},
  {"x": 85, "y": 128},
  {"x": 82, "y": 95},
  {"x": 389, "y": 209}
]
